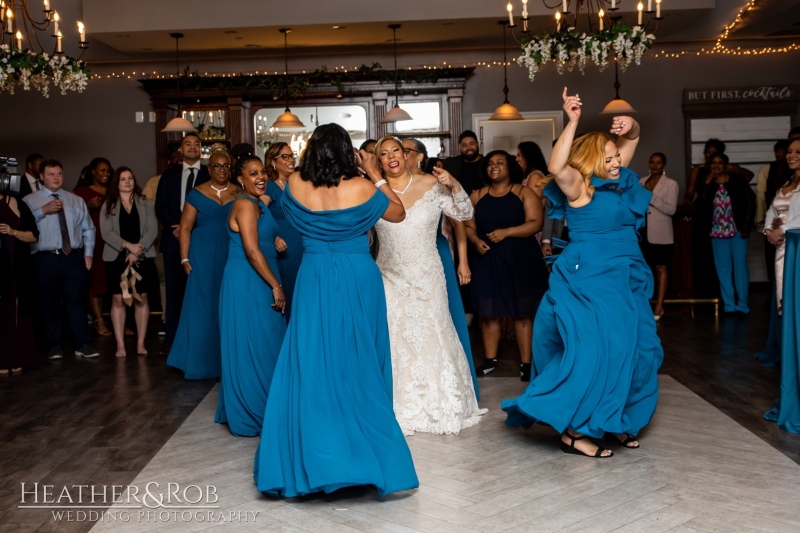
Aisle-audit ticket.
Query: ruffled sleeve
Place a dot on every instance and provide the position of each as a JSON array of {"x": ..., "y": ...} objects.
[
  {"x": 636, "y": 197},
  {"x": 558, "y": 201}
]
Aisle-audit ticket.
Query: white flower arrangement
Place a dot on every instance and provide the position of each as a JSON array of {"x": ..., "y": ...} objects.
[
  {"x": 28, "y": 68},
  {"x": 568, "y": 48}
]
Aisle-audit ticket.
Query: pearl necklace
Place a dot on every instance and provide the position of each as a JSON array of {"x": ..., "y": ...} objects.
[
  {"x": 410, "y": 179},
  {"x": 220, "y": 191}
]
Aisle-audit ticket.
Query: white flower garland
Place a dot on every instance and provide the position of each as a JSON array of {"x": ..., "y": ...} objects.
[
  {"x": 39, "y": 70},
  {"x": 569, "y": 48}
]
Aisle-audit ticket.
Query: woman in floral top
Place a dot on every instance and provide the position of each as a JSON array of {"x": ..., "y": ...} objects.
[{"x": 730, "y": 202}]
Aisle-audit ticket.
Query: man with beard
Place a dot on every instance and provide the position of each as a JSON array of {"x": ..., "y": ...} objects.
[{"x": 466, "y": 167}]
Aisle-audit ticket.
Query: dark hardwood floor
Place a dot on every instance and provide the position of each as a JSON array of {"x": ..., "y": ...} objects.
[{"x": 79, "y": 421}]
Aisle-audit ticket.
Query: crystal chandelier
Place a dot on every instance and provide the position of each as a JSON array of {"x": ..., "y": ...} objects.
[{"x": 31, "y": 50}]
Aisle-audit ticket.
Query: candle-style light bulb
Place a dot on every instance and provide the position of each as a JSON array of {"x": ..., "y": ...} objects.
[
  {"x": 19, "y": 40},
  {"x": 613, "y": 4},
  {"x": 564, "y": 6},
  {"x": 558, "y": 20},
  {"x": 601, "y": 14},
  {"x": 510, "y": 8},
  {"x": 524, "y": 9},
  {"x": 10, "y": 19},
  {"x": 47, "y": 5},
  {"x": 640, "y": 8},
  {"x": 58, "y": 42},
  {"x": 56, "y": 18},
  {"x": 649, "y": 6},
  {"x": 658, "y": 9},
  {"x": 82, "y": 31}
]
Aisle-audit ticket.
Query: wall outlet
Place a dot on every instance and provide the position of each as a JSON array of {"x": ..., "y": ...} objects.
[
  {"x": 152, "y": 116},
  {"x": 139, "y": 116}
]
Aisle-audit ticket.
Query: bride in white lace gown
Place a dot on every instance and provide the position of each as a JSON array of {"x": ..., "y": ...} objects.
[{"x": 433, "y": 390}]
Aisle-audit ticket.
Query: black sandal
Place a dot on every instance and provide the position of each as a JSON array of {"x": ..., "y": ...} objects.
[
  {"x": 570, "y": 448},
  {"x": 628, "y": 439}
]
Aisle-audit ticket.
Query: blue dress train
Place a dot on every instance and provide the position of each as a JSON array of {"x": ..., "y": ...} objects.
[
  {"x": 251, "y": 332},
  {"x": 288, "y": 260},
  {"x": 456, "y": 305},
  {"x": 596, "y": 352},
  {"x": 196, "y": 350},
  {"x": 329, "y": 421}
]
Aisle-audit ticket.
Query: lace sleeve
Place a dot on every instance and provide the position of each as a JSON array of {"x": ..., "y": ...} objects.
[{"x": 455, "y": 205}]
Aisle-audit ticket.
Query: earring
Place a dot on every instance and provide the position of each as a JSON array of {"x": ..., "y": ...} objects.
[
  {"x": 419, "y": 164},
  {"x": 274, "y": 167}
]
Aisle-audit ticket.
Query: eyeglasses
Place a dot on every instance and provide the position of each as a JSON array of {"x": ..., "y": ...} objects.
[
  {"x": 406, "y": 150},
  {"x": 285, "y": 157},
  {"x": 218, "y": 166}
]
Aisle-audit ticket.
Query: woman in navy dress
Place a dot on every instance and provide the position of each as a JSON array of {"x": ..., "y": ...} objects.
[
  {"x": 204, "y": 250},
  {"x": 329, "y": 422},
  {"x": 279, "y": 162},
  {"x": 509, "y": 275},
  {"x": 251, "y": 334},
  {"x": 595, "y": 347}
]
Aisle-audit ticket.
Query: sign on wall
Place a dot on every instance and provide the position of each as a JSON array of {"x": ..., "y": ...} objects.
[{"x": 728, "y": 95}]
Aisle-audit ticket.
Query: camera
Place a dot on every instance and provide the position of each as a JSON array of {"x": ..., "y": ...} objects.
[{"x": 9, "y": 181}]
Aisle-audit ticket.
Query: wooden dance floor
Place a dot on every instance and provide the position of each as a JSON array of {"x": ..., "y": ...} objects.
[{"x": 697, "y": 470}]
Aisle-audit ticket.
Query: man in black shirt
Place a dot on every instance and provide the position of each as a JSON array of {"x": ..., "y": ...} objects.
[{"x": 466, "y": 167}]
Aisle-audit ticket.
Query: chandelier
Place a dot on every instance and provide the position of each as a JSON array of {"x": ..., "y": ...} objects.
[
  {"x": 30, "y": 59},
  {"x": 587, "y": 31}
]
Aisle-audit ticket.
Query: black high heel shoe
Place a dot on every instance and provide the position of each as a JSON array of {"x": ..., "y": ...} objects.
[{"x": 570, "y": 448}]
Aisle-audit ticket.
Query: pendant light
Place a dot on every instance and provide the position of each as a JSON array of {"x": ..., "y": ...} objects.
[
  {"x": 505, "y": 111},
  {"x": 287, "y": 120},
  {"x": 178, "y": 124},
  {"x": 397, "y": 113},
  {"x": 617, "y": 106}
]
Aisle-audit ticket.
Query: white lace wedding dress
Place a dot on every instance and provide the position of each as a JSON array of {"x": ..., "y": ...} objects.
[{"x": 433, "y": 391}]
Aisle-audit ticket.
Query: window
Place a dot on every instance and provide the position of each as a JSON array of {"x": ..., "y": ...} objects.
[{"x": 353, "y": 118}]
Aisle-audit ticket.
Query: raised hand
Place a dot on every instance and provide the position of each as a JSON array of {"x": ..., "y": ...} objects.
[
  {"x": 621, "y": 125},
  {"x": 572, "y": 106},
  {"x": 444, "y": 178}
]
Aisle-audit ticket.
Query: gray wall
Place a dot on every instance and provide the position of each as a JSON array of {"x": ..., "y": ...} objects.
[{"x": 100, "y": 122}]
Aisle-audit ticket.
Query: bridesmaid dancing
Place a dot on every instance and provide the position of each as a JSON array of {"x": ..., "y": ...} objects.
[
  {"x": 279, "y": 162},
  {"x": 204, "y": 250},
  {"x": 250, "y": 334},
  {"x": 596, "y": 351},
  {"x": 329, "y": 422}
]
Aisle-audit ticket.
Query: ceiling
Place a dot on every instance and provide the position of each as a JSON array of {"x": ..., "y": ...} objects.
[{"x": 121, "y": 31}]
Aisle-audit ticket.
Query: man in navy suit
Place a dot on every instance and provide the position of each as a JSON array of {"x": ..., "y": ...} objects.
[{"x": 175, "y": 183}]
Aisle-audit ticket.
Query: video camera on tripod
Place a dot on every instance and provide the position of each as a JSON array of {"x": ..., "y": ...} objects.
[{"x": 9, "y": 179}]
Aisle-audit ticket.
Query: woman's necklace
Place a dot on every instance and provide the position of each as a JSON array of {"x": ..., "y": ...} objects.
[
  {"x": 410, "y": 179},
  {"x": 220, "y": 191}
]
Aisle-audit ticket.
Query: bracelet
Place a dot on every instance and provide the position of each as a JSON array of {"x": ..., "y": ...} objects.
[
  {"x": 276, "y": 288},
  {"x": 185, "y": 260},
  {"x": 378, "y": 184}
]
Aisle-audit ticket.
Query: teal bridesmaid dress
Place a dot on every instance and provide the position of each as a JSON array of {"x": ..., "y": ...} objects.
[
  {"x": 251, "y": 332},
  {"x": 329, "y": 421},
  {"x": 195, "y": 350},
  {"x": 596, "y": 352},
  {"x": 289, "y": 259}
]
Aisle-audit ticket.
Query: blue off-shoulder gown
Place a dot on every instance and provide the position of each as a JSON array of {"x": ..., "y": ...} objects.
[
  {"x": 289, "y": 259},
  {"x": 251, "y": 332},
  {"x": 329, "y": 421},
  {"x": 195, "y": 350},
  {"x": 596, "y": 352}
]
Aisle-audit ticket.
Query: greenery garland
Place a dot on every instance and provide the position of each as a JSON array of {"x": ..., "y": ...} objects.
[
  {"x": 28, "y": 68},
  {"x": 569, "y": 48}
]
